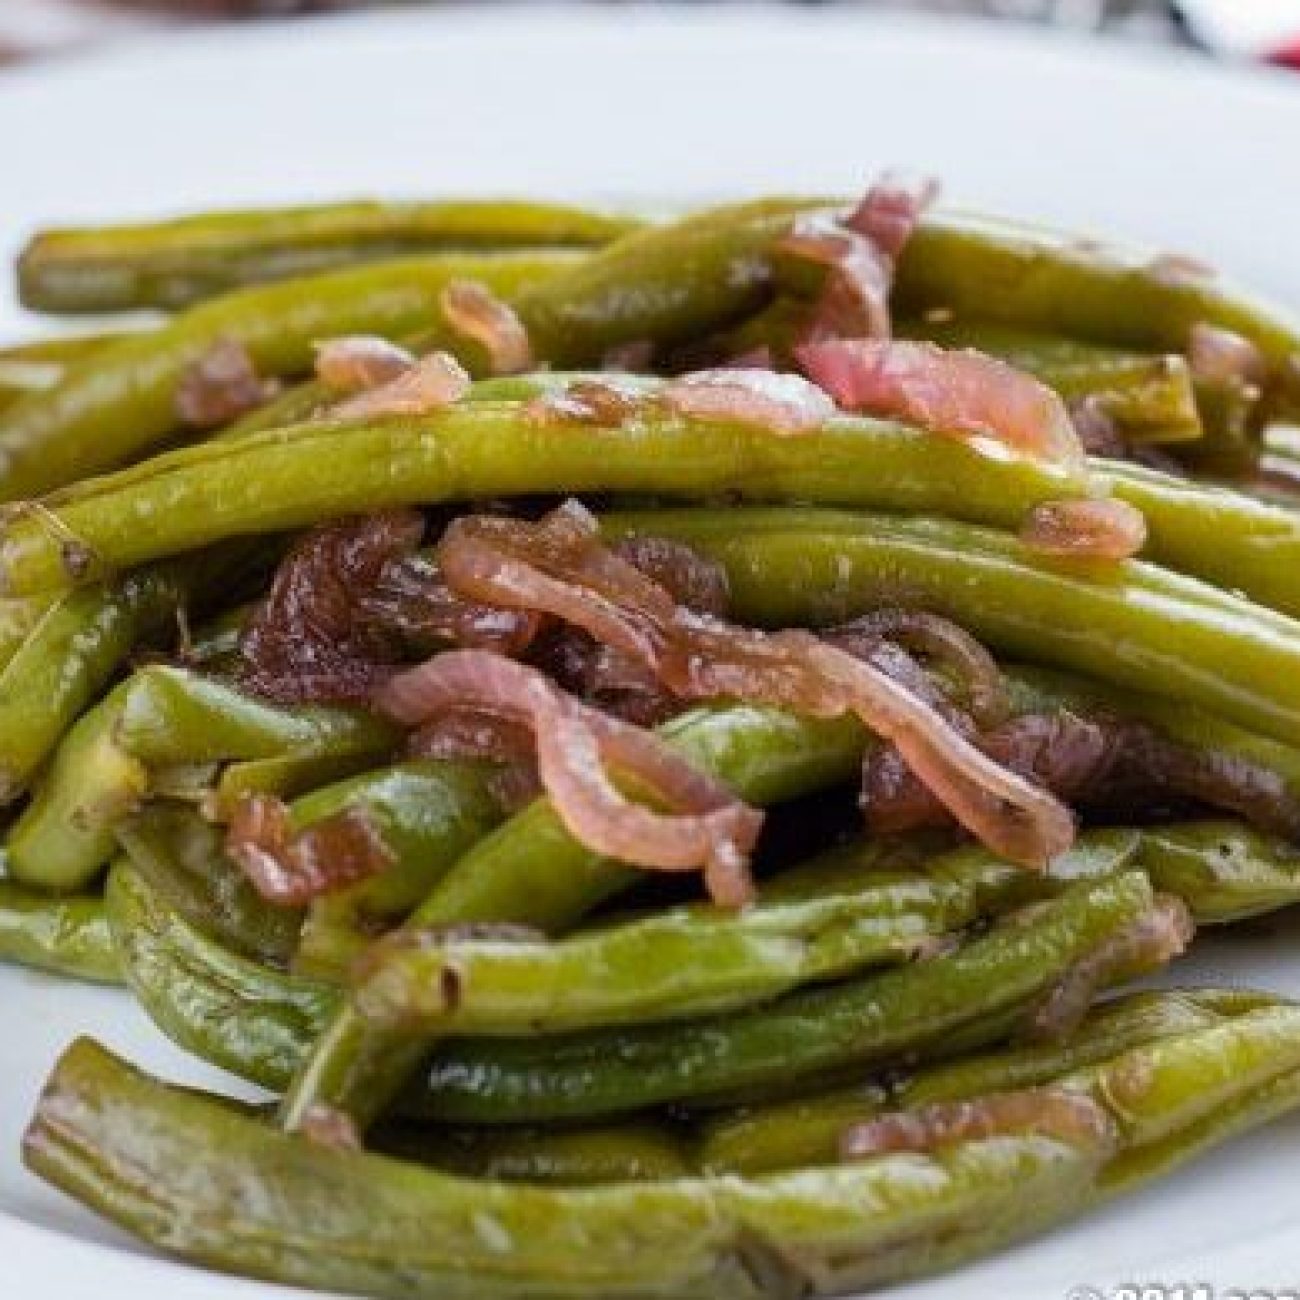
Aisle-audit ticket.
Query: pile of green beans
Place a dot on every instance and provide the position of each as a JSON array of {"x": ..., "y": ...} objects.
[{"x": 504, "y": 1065}]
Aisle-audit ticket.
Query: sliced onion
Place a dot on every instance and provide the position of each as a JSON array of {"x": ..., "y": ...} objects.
[
  {"x": 1179, "y": 270},
  {"x": 780, "y": 403},
  {"x": 1152, "y": 941},
  {"x": 356, "y": 363},
  {"x": 291, "y": 868},
  {"x": 1222, "y": 355},
  {"x": 314, "y": 637},
  {"x": 1102, "y": 528},
  {"x": 588, "y": 401},
  {"x": 1072, "y": 1117},
  {"x": 559, "y": 567},
  {"x": 962, "y": 393},
  {"x": 220, "y": 386},
  {"x": 891, "y": 209},
  {"x": 576, "y": 746},
  {"x": 977, "y": 672},
  {"x": 697, "y": 581},
  {"x": 431, "y": 384},
  {"x": 476, "y": 313},
  {"x": 461, "y": 734}
]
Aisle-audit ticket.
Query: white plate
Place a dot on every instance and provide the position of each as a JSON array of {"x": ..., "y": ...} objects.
[{"x": 687, "y": 105}]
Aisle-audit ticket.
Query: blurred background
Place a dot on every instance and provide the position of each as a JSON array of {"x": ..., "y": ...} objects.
[{"x": 1263, "y": 30}]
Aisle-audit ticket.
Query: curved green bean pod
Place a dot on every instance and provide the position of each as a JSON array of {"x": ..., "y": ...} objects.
[
  {"x": 31, "y": 367},
  {"x": 273, "y": 1206},
  {"x": 173, "y": 264},
  {"x": 160, "y": 718},
  {"x": 120, "y": 402},
  {"x": 228, "y": 1009},
  {"x": 976, "y": 992},
  {"x": 428, "y": 814},
  {"x": 18, "y": 618},
  {"x": 532, "y": 871},
  {"x": 848, "y": 913},
  {"x": 69, "y": 936},
  {"x": 1133, "y": 624},
  {"x": 183, "y": 858},
  {"x": 1025, "y": 276}
]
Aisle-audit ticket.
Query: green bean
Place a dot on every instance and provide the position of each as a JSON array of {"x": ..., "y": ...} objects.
[
  {"x": 266, "y": 1204},
  {"x": 69, "y": 936},
  {"x": 1013, "y": 274},
  {"x": 567, "y": 1158},
  {"x": 79, "y": 645},
  {"x": 236, "y": 1013},
  {"x": 428, "y": 814},
  {"x": 183, "y": 858},
  {"x": 532, "y": 871},
  {"x": 976, "y": 991},
  {"x": 664, "y": 285},
  {"x": 176, "y": 263},
  {"x": 1133, "y": 625},
  {"x": 160, "y": 718},
  {"x": 847, "y": 914},
  {"x": 807, "y": 1130},
  {"x": 18, "y": 617},
  {"x": 120, "y": 402}
]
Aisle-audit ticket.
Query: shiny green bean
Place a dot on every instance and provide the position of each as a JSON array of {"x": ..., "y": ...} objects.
[
  {"x": 1132, "y": 624},
  {"x": 976, "y": 992},
  {"x": 532, "y": 871},
  {"x": 68, "y": 936},
  {"x": 174, "y": 264}
]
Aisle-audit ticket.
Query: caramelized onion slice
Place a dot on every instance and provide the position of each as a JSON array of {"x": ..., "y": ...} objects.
[
  {"x": 780, "y": 403},
  {"x": 220, "y": 386},
  {"x": 1072, "y": 1117},
  {"x": 291, "y": 868},
  {"x": 432, "y": 384},
  {"x": 1099, "y": 528},
  {"x": 708, "y": 829},
  {"x": 476, "y": 313},
  {"x": 356, "y": 363},
  {"x": 1219, "y": 354},
  {"x": 961, "y": 393},
  {"x": 313, "y": 637}
]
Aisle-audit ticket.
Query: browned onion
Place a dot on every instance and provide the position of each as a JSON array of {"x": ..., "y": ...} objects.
[
  {"x": 697, "y": 581},
  {"x": 577, "y": 746},
  {"x": 854, "y": 301},
  {"x": 312, "y": 638},
  {"x": 220, "y": 386},
  {"x": 411, "y": 597},
  {"x": 1097, "y": 431},
  {"x": 433, "y": 383},
  {"x": 779, "y": 403},
  {"x": 976, "y": 671},
  {"x": 587, "y": 401},
  {"x": 476, "y": 313},
  {"x": 559, "y": 567},
  {"x": 291, "y": 868},
  {"x": 891, "y": 208},
  {"x": 356, "y": 363},
  {"x": 1225, "y": 356},
  {"x": 328, "y": 1126},
  {"x": 961, "y": 393},
  {"x": 1069, "y": 1116},
  {"x": 1098, "y": 528},
  {"x": 1148, "y": 944}
]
